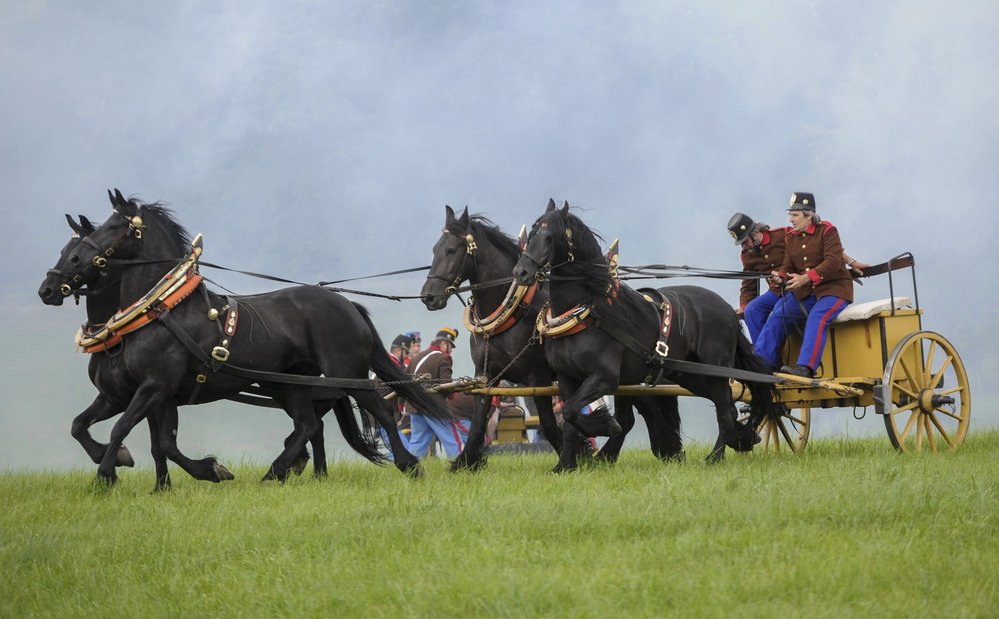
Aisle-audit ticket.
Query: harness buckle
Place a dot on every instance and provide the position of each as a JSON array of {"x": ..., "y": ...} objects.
[
  {"x": 220, "y": 353},
  {"x": 662, "y": 348},
  {"x": 201, "y": 379}
]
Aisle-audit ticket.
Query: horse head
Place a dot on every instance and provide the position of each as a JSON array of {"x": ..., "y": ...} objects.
[
  {"x": 64, "y": 278},
  {"x": 450, "y": 266},
  {"x": 539, "y": 250}
]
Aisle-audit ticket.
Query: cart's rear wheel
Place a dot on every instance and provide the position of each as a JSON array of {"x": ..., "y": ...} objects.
[
  {"x": 930, "y": 398},
  {"x": 789, "y": 433}
]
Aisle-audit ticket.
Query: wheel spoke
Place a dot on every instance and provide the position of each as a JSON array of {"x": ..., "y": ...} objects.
[
  {"x": 943, "y": 368},
  {"x": 911, "y": 394},
  {"x": 787, "y": 436},
  {"x": 930, "y": 437},
  {"x": 929, "y": 362},
  {"x": 944, "y": 411},
  {"x": 919, "y": 431},
  {"x": 940, "y": 429},
  {"x": 908, "y": 426},
  {"x": 907, "y": 407},
  {"x": 908, "y": 374},
  {"x": 795, "y": 420}
]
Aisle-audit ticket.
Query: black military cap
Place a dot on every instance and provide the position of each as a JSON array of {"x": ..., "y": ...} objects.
[
  {"x": 739, "y": 227},
  {"x": 801, "y": 201},
  {"x": 401, "y": 341}
]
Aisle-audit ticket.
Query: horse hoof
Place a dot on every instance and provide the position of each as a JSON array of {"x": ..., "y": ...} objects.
[
  {"x": 414, "y": 472},
  {"x": 221, "y": 472},
  {"x": 599, "y": 423},
  {"x": 298, "y": 466},
  {"x": 467, "y": 463},
  {"x": 607, "y": 458},
  {"x": 680, "y": 456},
  {"x": 561, "y": 469},
  {"x": 106, "y": 481},
  {"x": 162, "y": 486},
  {"x": 271, "y": 475},
  {"x": 716, "y": 455},
  {"x": 124, "y": 457}
]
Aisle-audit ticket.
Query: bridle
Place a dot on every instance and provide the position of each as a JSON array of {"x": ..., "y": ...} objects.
[
  {"x": 100, "y": 261},
  {"x": 470, "y": 249},
  {"x": 545, "y": 268}
]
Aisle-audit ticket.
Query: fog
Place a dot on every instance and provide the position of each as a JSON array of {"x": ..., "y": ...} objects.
[{"x": 321, "y": 141}]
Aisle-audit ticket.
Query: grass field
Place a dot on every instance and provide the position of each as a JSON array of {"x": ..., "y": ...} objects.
[{"x": 850, "y": 528}]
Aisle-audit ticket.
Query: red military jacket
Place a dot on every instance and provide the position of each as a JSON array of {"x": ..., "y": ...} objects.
[
  {"x": 431, "y": 361},
  {"x": 818, "y": 252},
  {"x": 770, "y": 257}
]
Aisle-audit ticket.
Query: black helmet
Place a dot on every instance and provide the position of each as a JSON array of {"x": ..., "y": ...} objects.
[
  {"x": 801, "y": 201},
  {"x": 740, "y": 226},
  {"x": 401, "y": 341}
]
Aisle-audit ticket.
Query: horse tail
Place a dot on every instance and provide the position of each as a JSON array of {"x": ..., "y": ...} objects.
[
  {"x": 386, "y": 369},
  {"x": 364, "y": 440},
  {"x": 764, "y": 404}
]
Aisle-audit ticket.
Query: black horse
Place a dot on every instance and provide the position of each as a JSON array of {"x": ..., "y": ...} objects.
[
  {"x": 617, "y": 332},
  {"x": 501, "y": 319},
  {"x": 103, "y": 299},
  {"x": 304, "y": 330}
]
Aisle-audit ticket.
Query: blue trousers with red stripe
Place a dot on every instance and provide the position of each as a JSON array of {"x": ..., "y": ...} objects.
[
  {"x": 757, "y": 312},
  {"x": 452, "y": 434},
  {"x": 786, "y": 315}
]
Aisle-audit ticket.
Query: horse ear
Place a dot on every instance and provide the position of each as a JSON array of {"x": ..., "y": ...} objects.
[
  {"x": 86, "y": 225},
  {"x": 448, "y": 214},
  {"x": 551, "y": 206},
  {"x": 463, "y": 220},
  {"x": 75, "y": 226},
  {"x": 111, "y": 197},
  {"x": 119, "y": 199},
  {"x": 565, "y": 209}
]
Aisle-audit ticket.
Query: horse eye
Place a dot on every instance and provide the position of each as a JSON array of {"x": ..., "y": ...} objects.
[
  {"x": 450, "y": 251},
  {"x": 74, "y": 259}
]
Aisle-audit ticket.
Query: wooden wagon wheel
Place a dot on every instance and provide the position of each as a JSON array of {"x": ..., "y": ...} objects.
[
  {"x": 789, "y": 433},
  {"x": 930, "y": 404}
]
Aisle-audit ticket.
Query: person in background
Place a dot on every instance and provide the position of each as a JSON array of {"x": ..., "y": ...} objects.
[
  {"x": 763, "y": 252},
  {"x": 818, "y": 287},
  {"x": 436, "y": 363},
  {"x": 397, "y": 350},
  {"x": 498, "y": 404},
  {"x": 415, "y": 345}
]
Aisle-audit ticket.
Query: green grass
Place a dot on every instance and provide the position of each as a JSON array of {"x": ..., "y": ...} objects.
[{"x": 850, "y": 528}]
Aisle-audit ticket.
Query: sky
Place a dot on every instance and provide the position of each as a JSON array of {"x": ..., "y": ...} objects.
[{"x": 321, "y": 141}]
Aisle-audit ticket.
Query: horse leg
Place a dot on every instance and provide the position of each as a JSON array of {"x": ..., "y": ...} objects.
[
  {"x": 669, "y": 444},
  {"x": 382, "y": 412},
  {"x": 318, "y": 440},
  {"x": 297, "y": 401},
  {"x": 148, "y": 399},
  {"x": 159, "y": 455},
  {"x": 549, "y": 424},
  {"x": 99, "y": 410},
  {"x": 598, "y": 423},
  {"x": 472, "y": 457},
  {"x": 625, "y": 417},
  {"x": 205, "y": 469}
]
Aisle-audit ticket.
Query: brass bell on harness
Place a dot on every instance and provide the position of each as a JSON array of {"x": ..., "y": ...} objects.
[{"x": 213, "y": 314}]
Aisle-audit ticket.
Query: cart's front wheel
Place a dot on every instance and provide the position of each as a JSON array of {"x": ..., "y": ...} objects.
[
  {"x": 789, "y": 433},
  {"x": 930, "y": 398}
]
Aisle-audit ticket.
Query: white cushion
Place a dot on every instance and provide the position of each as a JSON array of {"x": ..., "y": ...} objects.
[{"x": 863, "y": 311}]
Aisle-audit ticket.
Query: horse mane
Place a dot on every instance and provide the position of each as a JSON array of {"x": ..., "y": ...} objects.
[
  {"x": 589, "y": 262},
  {"x": 591, "y": 269},
  {"x": 482, "y": 226},
  {"x": 165, "y": 217}
]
